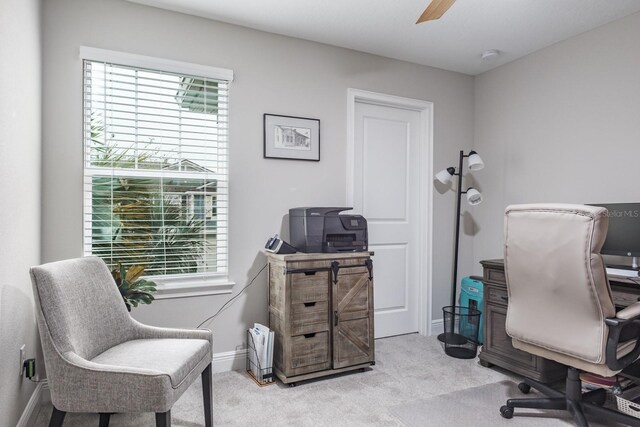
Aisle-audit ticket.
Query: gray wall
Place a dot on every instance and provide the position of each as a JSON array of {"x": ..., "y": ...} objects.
[
  {"x": 20, "y": 147},
  {"x": 560, "y": 125},
  {"x": 274, "y": 74}
]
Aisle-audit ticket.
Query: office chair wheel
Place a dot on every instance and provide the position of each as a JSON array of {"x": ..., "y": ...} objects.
[
  {"x": 524, "y": 388},
  {"x": 506, "y": 412},
  {"x": 291, "y": 385}
]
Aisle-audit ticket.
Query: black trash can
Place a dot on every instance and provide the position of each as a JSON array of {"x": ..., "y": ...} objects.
[{"x": 461, "y": 327}]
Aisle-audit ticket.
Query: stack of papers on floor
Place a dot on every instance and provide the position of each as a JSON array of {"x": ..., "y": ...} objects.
[{"x": 260, "y": 348}]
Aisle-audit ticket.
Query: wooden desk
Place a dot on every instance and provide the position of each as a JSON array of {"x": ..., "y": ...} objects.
[{"x": 497, "y": 348}]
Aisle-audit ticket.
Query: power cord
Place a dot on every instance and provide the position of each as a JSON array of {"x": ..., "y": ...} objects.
[
  {"x": 634, "y": 279},
  {"x": 226, "y": 304}
]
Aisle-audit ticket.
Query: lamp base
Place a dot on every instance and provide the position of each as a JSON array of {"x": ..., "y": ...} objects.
[{"x": 452, "y": 338}]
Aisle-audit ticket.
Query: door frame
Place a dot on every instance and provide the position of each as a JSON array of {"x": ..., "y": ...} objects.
[{"x": 425, "y": 191}]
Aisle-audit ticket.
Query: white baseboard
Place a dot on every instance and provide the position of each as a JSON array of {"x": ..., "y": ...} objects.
[
  {"x": 30, "y": 413},
  {"x": 437, "y": 326},
  {"x": 45, "y": 396},
  {"x": 229, "y": 361}
]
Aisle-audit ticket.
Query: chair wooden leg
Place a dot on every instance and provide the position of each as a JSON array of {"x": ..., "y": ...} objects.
[
  {"x": 57, "y": 418},
  {"x": 104, "y": 419},
  {"x": 163, "y": 419},
  {"x": 207, "y": 396}
]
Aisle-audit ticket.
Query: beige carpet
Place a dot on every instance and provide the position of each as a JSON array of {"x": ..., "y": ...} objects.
[
  {"x": 412, "y": 373},
  {"x": 478, "y": 407}
]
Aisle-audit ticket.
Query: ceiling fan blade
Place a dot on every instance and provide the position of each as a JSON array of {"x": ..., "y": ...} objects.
[{"x": 436, "y": 9}]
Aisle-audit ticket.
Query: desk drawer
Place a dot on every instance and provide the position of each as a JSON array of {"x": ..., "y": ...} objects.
[
  {"x": 308, "y": 317},
  {"x": 497, "y": 295},
  {"x": 498, "y": 341},
  {"x": 495, "y": 276}
]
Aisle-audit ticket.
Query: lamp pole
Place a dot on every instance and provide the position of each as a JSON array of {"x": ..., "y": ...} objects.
[
  {"x": 454, "y": 338},
  {"x": 457, "y": 242}
]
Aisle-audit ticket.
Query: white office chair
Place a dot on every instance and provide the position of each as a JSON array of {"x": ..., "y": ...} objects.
[{"x": 560, "y": 304}]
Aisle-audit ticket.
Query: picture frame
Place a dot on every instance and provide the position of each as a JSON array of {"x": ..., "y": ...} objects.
[{"x": 291, "y": 138}]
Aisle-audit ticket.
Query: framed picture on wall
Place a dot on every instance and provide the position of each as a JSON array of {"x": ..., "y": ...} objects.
[{"x": 291, "y": 138}]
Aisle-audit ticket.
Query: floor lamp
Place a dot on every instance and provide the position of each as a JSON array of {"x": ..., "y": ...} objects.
[{"x": 474, "y": 197}]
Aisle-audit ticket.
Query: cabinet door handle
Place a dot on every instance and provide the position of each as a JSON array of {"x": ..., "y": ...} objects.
[
  {"x": 504, "y": 298},
  {"x": 310, "y": 335},
  {"x": 335, "y": 318},
  {"x": 306, "y": 271},
  {"x": 309, "y": 304},
  {"x": 335, "y": 268}
]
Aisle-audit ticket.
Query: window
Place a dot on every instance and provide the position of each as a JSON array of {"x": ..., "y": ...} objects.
[{"x": 155, "y": 167}]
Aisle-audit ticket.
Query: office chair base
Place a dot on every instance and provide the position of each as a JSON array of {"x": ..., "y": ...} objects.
[{"x": 577, "y": 404}]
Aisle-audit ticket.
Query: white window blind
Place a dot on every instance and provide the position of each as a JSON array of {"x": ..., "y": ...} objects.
[{"x": 155, "y": 169}]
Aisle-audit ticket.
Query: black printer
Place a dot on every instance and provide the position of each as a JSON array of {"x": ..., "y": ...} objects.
[{"x": 323, "y": 229}]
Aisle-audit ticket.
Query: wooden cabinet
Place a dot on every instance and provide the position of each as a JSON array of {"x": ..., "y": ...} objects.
[
  {"x": 321, "y": 312},
  {"x": 497, "y": 348}
]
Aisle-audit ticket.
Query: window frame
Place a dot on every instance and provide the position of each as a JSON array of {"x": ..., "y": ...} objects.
[{"x": 179, "y": 285}]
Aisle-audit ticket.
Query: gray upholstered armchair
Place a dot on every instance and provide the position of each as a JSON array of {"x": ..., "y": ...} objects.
[
  {"x": 560, "y": 305},
  {"x": 99, "y": 359}
]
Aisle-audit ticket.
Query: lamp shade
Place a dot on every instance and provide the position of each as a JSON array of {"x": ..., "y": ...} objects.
[
  {"x": 444, "y": 176},
  {"x": 474, "y": 197},
  {"x": 475, "y": 161}
]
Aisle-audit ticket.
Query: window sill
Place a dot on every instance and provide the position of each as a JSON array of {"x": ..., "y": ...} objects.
[{"x": 186, "y": 287}]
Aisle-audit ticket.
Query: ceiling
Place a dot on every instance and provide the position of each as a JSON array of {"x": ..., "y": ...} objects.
[{"x": 387, "y": 27}]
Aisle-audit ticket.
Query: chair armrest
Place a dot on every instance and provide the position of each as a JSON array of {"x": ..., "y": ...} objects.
[
  {"x": 629, "y": 312},
  {"x": 624, "y": 318},
  {"x": 80, "y": 365},
  {"x": 152, "y": 332}
]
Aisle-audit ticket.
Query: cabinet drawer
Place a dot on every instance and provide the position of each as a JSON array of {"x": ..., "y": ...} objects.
[
  {"x": 495, "y": 276},
  {"x": 309, "y": 287},
  {"x": 497, "y": 295},
  {"x": 307, "y": 317},
  {"x": 310, "y": 351}
]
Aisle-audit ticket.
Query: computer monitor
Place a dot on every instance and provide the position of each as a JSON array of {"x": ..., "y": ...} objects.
[{"x": 623, "y": 236}]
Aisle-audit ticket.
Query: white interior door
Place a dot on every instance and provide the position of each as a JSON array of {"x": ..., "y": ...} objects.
[{"x": 386, "y": 173}]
